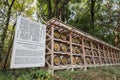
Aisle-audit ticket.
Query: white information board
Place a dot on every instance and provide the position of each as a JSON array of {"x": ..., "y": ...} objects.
[{"x": 29, "y": 44}]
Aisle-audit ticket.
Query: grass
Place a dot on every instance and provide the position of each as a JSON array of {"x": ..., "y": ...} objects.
[{"x": 104, "y": 73}]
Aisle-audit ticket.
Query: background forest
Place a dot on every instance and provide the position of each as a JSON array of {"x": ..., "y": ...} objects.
[{"x": 100, "y": 18}]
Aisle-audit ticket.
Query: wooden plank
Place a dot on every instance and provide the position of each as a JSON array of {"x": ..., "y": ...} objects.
[
  {"x": 92, "y": 53},
  {"x": 104, "y": 54},
  {"x": 108, "y": 53},
  {"x": 100, "y": 63},
  {"x": 83, "y": 52},
  {"x": 71, "y": 51},
  {"x": 52, "y": 51}
]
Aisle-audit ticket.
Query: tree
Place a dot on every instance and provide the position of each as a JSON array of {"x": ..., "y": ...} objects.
[
  {"x": 92, "y": 13},
  {"x": 8, "y": 13},
  {"x": 116, "y": 17},
  {"x": 80, "y": 15},
  {"x": 48, "y": 9},
  {"x": 18, "y": 8},
  {"x": 107, "y": 19}
]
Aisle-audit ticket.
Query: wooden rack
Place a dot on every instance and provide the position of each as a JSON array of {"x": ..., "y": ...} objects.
[{"x": 69, "y": 48}]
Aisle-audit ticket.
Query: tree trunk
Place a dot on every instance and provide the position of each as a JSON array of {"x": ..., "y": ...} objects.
[
  {"x": 49, "y": 9},
  {"x": 6, "y": 28},
  {"x": 60, "y": 11},
  {"x": 9, "y": 46},
  {"x": 92, "y": 13},
  {"x": 56, "y": 8},
  {"x": 116, "y": 35}
]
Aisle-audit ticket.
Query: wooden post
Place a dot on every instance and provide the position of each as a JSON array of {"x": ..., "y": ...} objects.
[
  {"x": 108, "y": 52},
  {"x": 49, "y": 48},
  {"x": 71, "y": 55},
  {"x": 84, "y": 52},
  {"x": 119, "y": 57},
  {"x": 52, "y": 52},
  {"x": 104, "y": 54},
  {"x": 100, "y": 60},
  {"x": 114, "y": 56},
  {"x": 91, "y": 42},
  {"x": 110, "y": 56}
]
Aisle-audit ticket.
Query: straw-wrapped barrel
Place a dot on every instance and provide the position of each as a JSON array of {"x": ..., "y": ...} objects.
[
  {"x": 88, "y": 60},
  {"x": 63, "y": 36},
  {"x": 94, "y": 46},
  {"x": 87, "y": 51},
  {"x": 73, "y": 49},
  {"x": 103, "y": 61},
  {"x": 87, "y": 43},
  {"x": 74, "y": 60},
  {"x": 78, "y": 60},
  {"x": 63, "y": 47},
  {"x": 69, "y": 60},
  {"x": 76, "y": 40},
  {"x": 57, "y": 34},
  {"x": 77, "y": 50},
  {"x": 96, "y": 61},
  {"x": 57, "y": 60},
  {"x": 64, "y": 60},
  {"x": 56, "y": 46},
  {"x": 95, "y": 53}
]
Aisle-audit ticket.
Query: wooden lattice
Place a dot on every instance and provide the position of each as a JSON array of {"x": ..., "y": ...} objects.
[{"x": 69, "y": 48}]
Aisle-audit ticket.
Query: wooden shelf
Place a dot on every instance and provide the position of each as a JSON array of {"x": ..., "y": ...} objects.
[
  {"x": 78, "y": 66},
  {"x": 87, "y": 47},
  {"x": 97, "y": 65},
  {"x": 95, "y": 49},
  {"x": 102, "y": 57},
  {"x": 77, "y": 54},
  {"x": 105, "y": 51},
  {"x": 89, "y": 65},
  {"x": 106, "y": 57},
  {"x": 59, "y": 40},
  {"x": 62, "y": 67},
  {"x": 96, "y": 56},
  {"x": 101, "y": 50},
  {"x": 74, "y": 44},
  {"x": 89, "y": 55},
  {"x": 64, "y": 53}
]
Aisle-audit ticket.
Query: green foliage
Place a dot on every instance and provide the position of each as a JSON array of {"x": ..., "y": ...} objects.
[
  {"x": 23, "y": 7},
  {"x": 106, "y": 18},
  {"x": 47, "y": 9},
  {"x": 104, "y": 73},
  {"x": 41, "y": 75},
  {"x": 20, "y": 7},
  {"x": 80, "y": 16},
  {"x": 25, "y": 75}
]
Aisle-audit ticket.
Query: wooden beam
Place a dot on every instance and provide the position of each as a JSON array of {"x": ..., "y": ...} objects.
[
  {"x": 52, "y": 52},
  {"x": 84, "y": 53}
]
